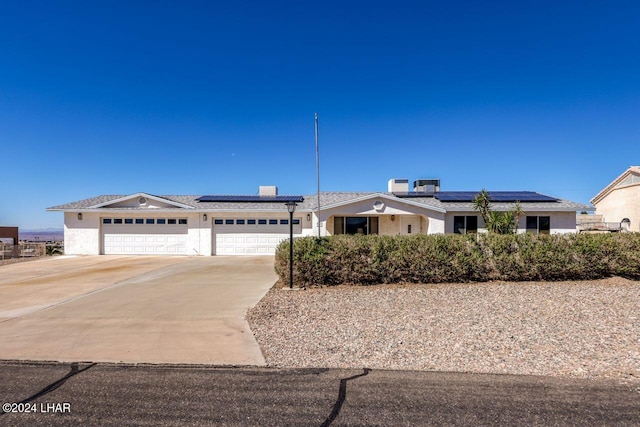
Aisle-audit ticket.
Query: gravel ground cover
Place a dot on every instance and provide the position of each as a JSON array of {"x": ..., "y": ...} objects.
[{"x": 585, "y": 329}]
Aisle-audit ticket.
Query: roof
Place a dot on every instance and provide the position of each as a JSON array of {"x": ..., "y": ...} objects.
[
  {"x": 327, "y": 200},
  {"x": 609, "y": 188}
]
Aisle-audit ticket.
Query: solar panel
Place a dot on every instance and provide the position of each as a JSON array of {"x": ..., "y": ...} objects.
[
  {"x": 251, "y": 199},
  {"x": 410, "y": 194},
  {"x": 469, "y": 196}
]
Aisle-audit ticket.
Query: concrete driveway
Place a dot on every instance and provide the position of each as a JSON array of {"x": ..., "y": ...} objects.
[{"x": 133, "y": 309}]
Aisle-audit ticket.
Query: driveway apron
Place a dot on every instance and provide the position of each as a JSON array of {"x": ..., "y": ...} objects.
[{"x": 134, "y": 309}]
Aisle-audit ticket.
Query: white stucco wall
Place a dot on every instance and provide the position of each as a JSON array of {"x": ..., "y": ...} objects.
[
  {"x": 561, "y": 222},
  {"x": 81, "y": 237},
  {"x": 621, "y": 203}
]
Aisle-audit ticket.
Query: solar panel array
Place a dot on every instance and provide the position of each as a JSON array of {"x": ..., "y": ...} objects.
[
  {"x": 469, "y": 196},
  {"x": 252, "y": 199}
]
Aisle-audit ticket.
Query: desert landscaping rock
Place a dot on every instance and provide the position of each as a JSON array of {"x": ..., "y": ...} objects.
[{"x": 587, "y": 329}]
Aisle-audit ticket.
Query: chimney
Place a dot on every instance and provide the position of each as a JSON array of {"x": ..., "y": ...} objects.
[
  {"x": 268, "y": 190},
  {"x": 398, "y": 185}
]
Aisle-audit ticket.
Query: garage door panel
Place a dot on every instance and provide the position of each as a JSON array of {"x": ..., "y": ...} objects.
[{"x": 144, "y": 239}]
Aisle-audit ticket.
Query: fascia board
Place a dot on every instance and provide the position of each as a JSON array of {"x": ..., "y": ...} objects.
[{"x": 148, "y": 196}]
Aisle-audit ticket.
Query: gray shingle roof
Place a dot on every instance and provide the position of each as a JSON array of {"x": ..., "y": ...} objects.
[{"x": 327, "y": 199}]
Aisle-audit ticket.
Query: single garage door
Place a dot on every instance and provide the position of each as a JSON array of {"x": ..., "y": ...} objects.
[
  {"x": 251, "y": 236},
  {"x": 144, "y": 236}
]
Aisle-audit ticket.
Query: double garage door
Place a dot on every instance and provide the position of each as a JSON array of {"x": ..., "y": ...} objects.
[
  {"x": 144, "y": 236},
  {"x": 251, "y": 236}
]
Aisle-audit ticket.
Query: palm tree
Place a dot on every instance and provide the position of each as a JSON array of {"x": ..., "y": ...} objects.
[{"x": 499, "y": 222}]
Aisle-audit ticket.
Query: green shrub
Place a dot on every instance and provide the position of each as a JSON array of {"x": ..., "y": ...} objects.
[{"x": 368, "y": 260}]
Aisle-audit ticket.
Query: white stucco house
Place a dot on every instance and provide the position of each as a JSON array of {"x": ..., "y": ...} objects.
[
  {"x": 619, "y": 202},
  {"x": 142, "y": 223}
]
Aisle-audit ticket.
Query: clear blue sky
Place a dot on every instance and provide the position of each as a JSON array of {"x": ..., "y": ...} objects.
[{"x": 206, "y": 97}]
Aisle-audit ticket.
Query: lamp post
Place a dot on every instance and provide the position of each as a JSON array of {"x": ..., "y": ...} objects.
[{"x": 291, "y": 207}]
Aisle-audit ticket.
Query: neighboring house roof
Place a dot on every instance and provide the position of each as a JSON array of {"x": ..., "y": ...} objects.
[
  {"x": 632, "y": 171},
  {"x": 328, "y": 200}
]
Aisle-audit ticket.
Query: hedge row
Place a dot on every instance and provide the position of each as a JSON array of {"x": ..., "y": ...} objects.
[{"x": 368, "y": 260}]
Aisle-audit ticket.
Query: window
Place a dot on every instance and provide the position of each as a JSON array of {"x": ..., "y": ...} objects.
[
  {"x": 182, "y": 221},
  {"x": 539, "y": 224},
  {"x": 251, "y": 221},
  {"x": 128, "y": 220},
  {"x": 355, "y": 225},
  {"x": 218, "y": 221},
  {"x": 172, "y": 221},
  {"x": 284, "y": 222},
  {"x": 262, "y": 221},
  {"x": 465, "y": 224},
  {"x": 296, "y": 222},
  {"x": 106, "y": 220},
  {"x": 117, "y": 221},
  {"x": 139, "y": 221},
  {"x": 150, "y": 221},
  {"x": 240, "y": 221},
  {"x": 161, "y": 221},
  {"x": 273, "y": 221},
  {"x": 228, "y": 221}
]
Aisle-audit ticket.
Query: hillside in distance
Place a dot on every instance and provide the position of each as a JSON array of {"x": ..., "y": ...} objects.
[{"x": 46, "y": 235}]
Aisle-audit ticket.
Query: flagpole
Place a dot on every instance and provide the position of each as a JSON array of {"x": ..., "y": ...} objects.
[{"x": 318, "y": 172}]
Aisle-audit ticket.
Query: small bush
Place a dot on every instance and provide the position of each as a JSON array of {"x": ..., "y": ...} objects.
[{"x": 368, "y": 260}]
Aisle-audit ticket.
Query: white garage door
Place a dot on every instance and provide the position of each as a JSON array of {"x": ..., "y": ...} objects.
[
  {"x": 144, "y": 236},
  {"x": 251, "y": 236}
]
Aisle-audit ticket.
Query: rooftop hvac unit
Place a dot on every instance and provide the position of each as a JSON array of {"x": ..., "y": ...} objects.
[
  {"x": 428, "y": 185},
  {"x": 398, "y": 185}
]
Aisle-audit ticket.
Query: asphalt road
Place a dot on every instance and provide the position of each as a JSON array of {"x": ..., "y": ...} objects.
[{"x": 116, "y": 395}]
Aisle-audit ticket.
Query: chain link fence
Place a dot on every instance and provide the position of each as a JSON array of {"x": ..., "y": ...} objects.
[{"x": 22, "y": 250}]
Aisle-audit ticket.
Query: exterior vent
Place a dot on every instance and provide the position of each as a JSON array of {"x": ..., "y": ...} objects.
[
  {"x": 268, "y": 190},
  {"x": 398, "y": 185},
  {"x": 428, "y": 185}
]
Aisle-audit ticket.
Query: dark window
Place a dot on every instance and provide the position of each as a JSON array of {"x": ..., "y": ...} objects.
[
  {"x": 458, "y": 225},
  {"x": 182, "y": 221},
  {"x": 128, "y": 220},
  {"x": 228, "y": 221},
  {"x": 544, "y": 225},
  {"x": 296, "y": 222},
  {"x": 355, "y": 225},
  {"x": 284, "y": 222},
  {"x": 472, "y": 224},
  {"x": 262, "y": 221},
  {"x": 240, "y": 221},
  {"x": 373, "y": 225},
  {"x": 251, "y": 221},
  {"x": 172, "y": 221},
  {"x": 539, "y": 224},
  {"x": 161, "y": 221},
  {"x": 150, "y": 221},
  {"x": 139, "y": 221},
  {"x": 117, "y": 221},
  {"x": 273, "y": 221},
  {"x": 106, "y": 221},
  {"x": 218, "y": 221},
  {"x": 465, "y": 224}
]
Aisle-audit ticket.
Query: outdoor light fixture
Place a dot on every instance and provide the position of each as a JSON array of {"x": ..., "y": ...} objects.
[
  {"x": 291, "y": 207},
  {"x": 308, "y": 217},
  {"x": 79, "y": 216},
  {"x": 204, "y": 217}
]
